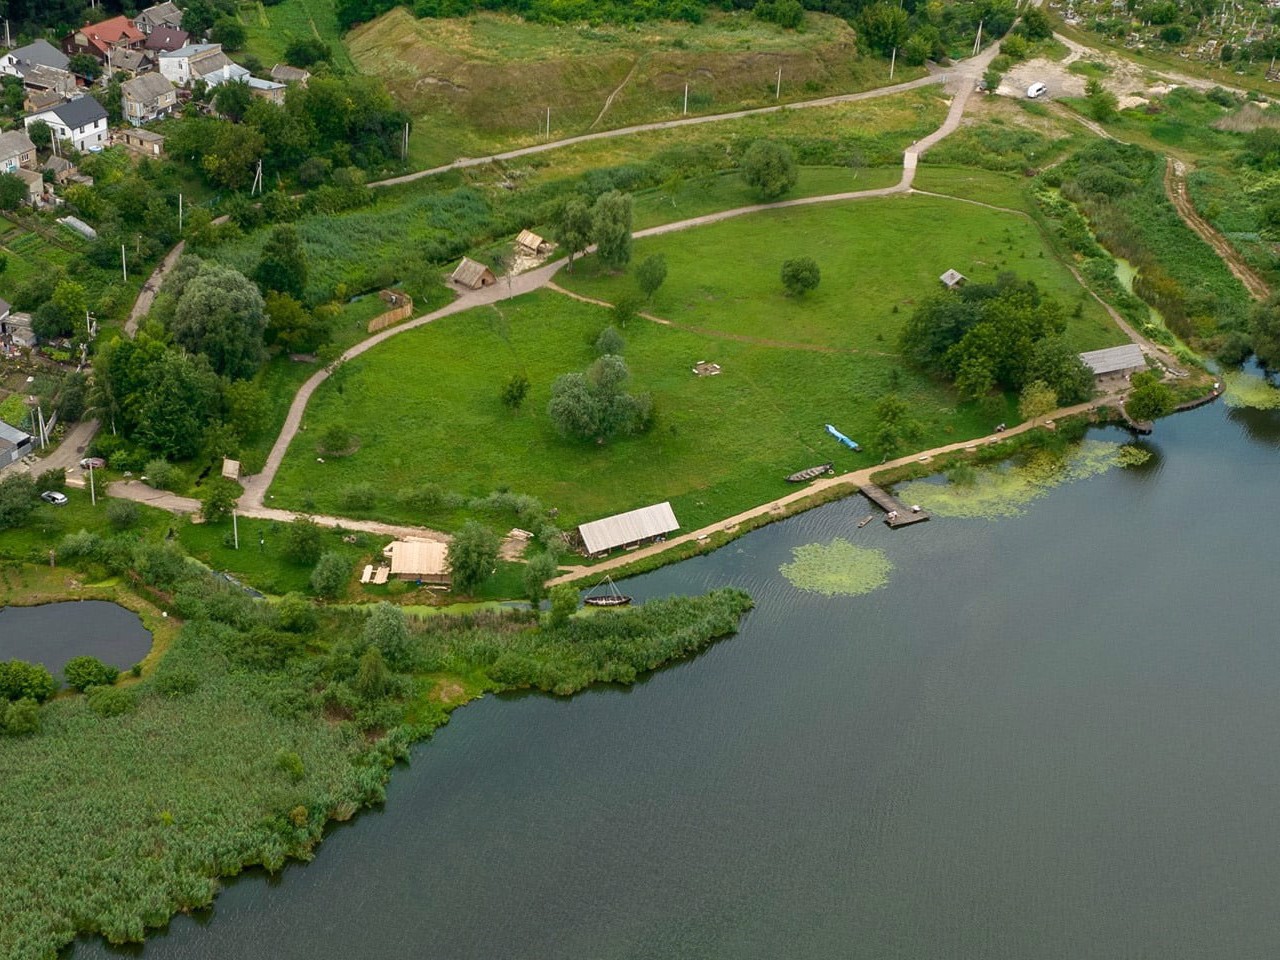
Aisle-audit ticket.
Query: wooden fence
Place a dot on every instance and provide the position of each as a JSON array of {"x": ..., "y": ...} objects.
[{"x": 401, "y": 305}]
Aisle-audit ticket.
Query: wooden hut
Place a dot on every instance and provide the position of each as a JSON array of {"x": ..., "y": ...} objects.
[
  {"x": 426, "y": 561},
  {"x": 473, "y": 275},
  {"x": 530, "y": 244},
  {"x": 952, "y": 279}
]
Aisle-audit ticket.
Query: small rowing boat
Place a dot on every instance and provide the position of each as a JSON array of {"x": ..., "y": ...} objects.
[
  {"x": 865, "y": 520},
  {"x": 612, "y": 596},
  {"x": 800, "y": 476}
]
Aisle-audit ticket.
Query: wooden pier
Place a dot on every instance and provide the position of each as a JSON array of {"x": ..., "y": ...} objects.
[{"x": 896, "y": 514}]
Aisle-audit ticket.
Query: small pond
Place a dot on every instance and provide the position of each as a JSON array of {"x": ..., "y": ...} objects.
[{"x": 53, "y": 633}]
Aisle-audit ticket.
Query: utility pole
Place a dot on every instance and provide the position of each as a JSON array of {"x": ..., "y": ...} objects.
[
  {"x": 179, "y": 214},
  {"x": 404, "y": 148},
  {"x": 7, "y": 41},
  {"x": 686, "y": 100},
  {"x": 257, "y": 180},
  {"x": 93, "y": 494},
  {"x": 235, "y": 528},
  {"x": 893, "y": 62},
  {"x": 124, "y": 267},
  {"x": 548, "y": 123},
  {"x": 777, "y": 93}
]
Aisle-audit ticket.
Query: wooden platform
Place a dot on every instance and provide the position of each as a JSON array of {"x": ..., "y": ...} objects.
[{"x": 896, "y": 514}]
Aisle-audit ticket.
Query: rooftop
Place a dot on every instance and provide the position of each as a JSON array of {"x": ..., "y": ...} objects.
[
  {"x": 630, "y": 527},
  {"x": 13, "y": 143},
  {"x": 12, "y": 434},
  {"x": 419, "y": 558},
  {"x": 41, "y": 53},
  {"x": 1114, "y": 359},
  {"x": 148, "y": 86},
  {"x": 167, "y": 38},
  {"x": 79, "y": 112}
]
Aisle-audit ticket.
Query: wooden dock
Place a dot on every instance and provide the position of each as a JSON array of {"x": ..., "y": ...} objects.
[{"x": 896, "y": 514}]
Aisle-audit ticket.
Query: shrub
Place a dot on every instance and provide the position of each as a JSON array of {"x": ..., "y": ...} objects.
[
  {"x": 800, "y": 275},
  {"x": 55, "y": 479},
  {"x": 330, "y": 575},
  {"x": 177, "y": 682},
  {"x": 295, "y": 614},
  {"x": 610, "y": 341},
  {"x": 20, "y": 718},
  {"x": 78, "y": 545},
  {"x": 85, "y": 672},
  {"x": 111, "y": 701},
  {"x": 358, "y": 496},
  {"x": 163, "y": 475},
  {"x": 290, "y": 764},
  {"x": 20, "y": 680},
  {"x": 122, "y": 514},
  {"x": 303, "y": 541},
  {"x": 769, "y": 169}
]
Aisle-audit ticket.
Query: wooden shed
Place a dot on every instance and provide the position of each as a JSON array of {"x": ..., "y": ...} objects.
[
  {"x": 147, "y": 142},
  {"x": 530, "y": 243},
  {"x": 473, "y": 275},
  {"x": 426, "y": 561},
  {"x": 952, "y": 279}
]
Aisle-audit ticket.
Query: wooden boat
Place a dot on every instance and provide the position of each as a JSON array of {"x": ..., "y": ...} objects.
[
  {"x": 612, "y": 597},
  {"x": 865, "y": 520},
  {"x": 800, "y": 476}
]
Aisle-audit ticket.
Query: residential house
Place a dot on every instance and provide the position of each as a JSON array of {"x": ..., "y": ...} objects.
[
  {"x": 164, "y": 39},
  {"x": 82, "y": 121},
  {"x": 192, "y": 62},
  {"x": 98, "y": 40},
  {"x": 283, "y": 73},
  {"x": 42, "y": 68},
  {"x": 15, "y": 330},
  {"x": 225, "y": 73},
  {"x": 61, "y": 168},
  {"x": 130, "y": 62},
  {"x": 162, "y": 15},
  {"x": 147, "y": 98},
  {"x": 473, "y": 275},
  {"x": 40, "y": 101},
  {"x": 146, "y": 142},
  {"x": 424, "y": 561},
  {"x": 266, "y": 89},
  {"x": 16, "y": 150},
  {"x": 34, "y": 182}
]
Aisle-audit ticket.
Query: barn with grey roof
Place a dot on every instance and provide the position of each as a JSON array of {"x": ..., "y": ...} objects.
[
  {"x": 628, "y": 529},
  {"x": 1115, "y": 360}
]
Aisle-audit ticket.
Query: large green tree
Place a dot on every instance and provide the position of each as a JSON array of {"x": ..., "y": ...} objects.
[
  {"x": 221, "y": 316},
  {"x": 571, "y": 227},
  {"x": 769, "y": 169},
  {"x": 180, "y": 398},
  {"x": 283, "y": 265},
  {"x": 473, "y": 556},
  {"x": 595, "y": 405},
  {"x": 611, "y": 228}
]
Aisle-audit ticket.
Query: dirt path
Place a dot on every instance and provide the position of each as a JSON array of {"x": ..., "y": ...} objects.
[
  {"x": 608, "y": 101},
  {"x": 1175, "y": 187},
  {"x": 147, "y": 295},
  {"x": 858, "y": 478}
]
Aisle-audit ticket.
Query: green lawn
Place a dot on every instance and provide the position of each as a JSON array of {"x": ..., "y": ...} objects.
[
  {"x": 876, "y": 256},
  {"x": 270, "y": 28},
  {"x": 1010, "y": 190}
]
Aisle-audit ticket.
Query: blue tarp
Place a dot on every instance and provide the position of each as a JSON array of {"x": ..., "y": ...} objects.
[{"x": 842, "y": 438}]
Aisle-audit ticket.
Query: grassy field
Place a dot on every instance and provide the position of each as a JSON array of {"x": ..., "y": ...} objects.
[
  {"x": 484, "y": 82},
  {"x": 866, "y": 291},
  {"x": 270, "y": 28},
  {"x": 720, "y": 444}
]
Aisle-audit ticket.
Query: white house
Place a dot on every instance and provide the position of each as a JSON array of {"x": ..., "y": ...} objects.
[
  {"x": 42, "y": 53},
  {"x": 193, "y": 62},
  {"x": 82, "y": 121}
]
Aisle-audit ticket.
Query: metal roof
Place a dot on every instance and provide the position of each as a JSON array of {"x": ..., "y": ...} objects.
[
  {"x": 426, "y": 558},
  {"x": 1114, "y": 359},
  {"x": 13, "y": 435},
  {"x": 77, "y": 113},
  {"x": 630, "y": 527},
  {"x": 41, "y": 53}
]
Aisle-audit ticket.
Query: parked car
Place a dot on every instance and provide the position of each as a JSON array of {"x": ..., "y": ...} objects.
[
  {"x": 1037, "y": 89},
  {"x": 54, "y": 497},
  {"x": 96, "y": 462}
]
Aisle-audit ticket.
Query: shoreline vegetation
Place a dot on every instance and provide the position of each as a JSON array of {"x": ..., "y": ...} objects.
[{"x": 297, "y": 715}]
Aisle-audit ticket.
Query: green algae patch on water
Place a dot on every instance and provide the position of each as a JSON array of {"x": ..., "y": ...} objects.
[
  {"x": 1006, "y": 491},
  {"x": 1131, "y": 455},
  {"x": 1255, "y": 393},
  {"x": 837, "y": 568}
]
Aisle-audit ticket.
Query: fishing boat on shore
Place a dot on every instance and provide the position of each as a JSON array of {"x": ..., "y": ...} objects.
[
  {"x": 800, "y": 476},
  {"x": 611, "y": 597}
]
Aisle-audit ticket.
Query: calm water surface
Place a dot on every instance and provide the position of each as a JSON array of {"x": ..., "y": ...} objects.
[
  {"x": 1055, "y": 736},
  {"x": 53, "y": 633}
]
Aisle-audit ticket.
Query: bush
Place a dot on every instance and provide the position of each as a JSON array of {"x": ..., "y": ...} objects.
[
  {"x": 85, "y": 672},
  {"x": 800, "y": 275},
  {"x": 163, "y": 475},
  {"x": 769, "y": 169},
  {"x": 20, "y": 718},
  {"x": 610, "y": 341},
  {"x": 79, "y": 545},
  {"x": 330, "y": 575},
  {"x": 55, "y": 479},
  {"x": 111, "y": 701},
  {"x": 358, "y": 496},
  {"x": 122, "y": 514},
  {"x": 20, "y": 680},
  {"x": 295, "y": 614},
  {"x": 303, "y": 541},
  {"x": 177, "y": 682},
  {"x": 290, "y": 764}
]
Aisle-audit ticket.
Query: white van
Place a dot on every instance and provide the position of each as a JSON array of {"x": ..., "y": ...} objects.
[{"x": 1036, "y": 89}]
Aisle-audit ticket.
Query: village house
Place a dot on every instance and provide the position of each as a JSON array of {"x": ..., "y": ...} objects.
[
  {"x": 15, "y": 330},
  {"x": 530, "y": 244},
  {"x": 98, "y": 40},
  {"x": 1115, "y": 362},
  {"x": 199, "y": 61},
  {"x": 82, "y": 122},
  {"x": 424, "y": 561},
  {"x": 267, "y": 90},
  {"x": 42, "y": 67},
  {"x": 162, "y": 15},
  {"x": 60, "y": 168},
  {"x": 35, "y": 102},
  {"x": 146, "y": 142},
  {"x": 33, "y": 180},
  {"x": 628, "y": 529},
  {"x": 283, "y": 73},
  {"x": 131, "y": 63},
  {"x": 473, "y": 275},
  {"x": 164, "y": 39},
  {"x": 147, "y": 98},
  {"x": 16, "y": 150}
]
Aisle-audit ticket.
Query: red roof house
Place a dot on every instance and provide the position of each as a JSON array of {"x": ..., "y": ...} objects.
[{"x": 97, "y": 38}]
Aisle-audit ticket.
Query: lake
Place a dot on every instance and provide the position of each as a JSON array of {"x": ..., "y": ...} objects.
[
  {"x": 1055, "y": 735},
  {"x": 53, "y": 633}
]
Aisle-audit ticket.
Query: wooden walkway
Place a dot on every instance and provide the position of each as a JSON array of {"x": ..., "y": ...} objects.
[{"x": 896, "y": 514}]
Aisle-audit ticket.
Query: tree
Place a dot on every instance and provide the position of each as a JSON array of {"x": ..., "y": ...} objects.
[
  {"x": 564, "y": 603},
  {"x": 230, "y": 33},
  {"x": 387, "y": 631},
  {"x": 651, "y": 274},
  {"x": 219, "y": 499},
  {"x": 83, "y": 65},
  {"x": 769, "y": 169},
  {"x": 895, "y": 428},
  {"x": 122, "y": 514},
  {"x": 540, "y": 568},
  {"x": 283, "y": 265},
  {"x": 20, "y": 680},
  {"x": 1035, "y": 24},
  {"x": 1149, "y": 398},
  {"x": 221, "y": 315},
  {"x": 1062, "y": 370},
  {"x": 1037, "y": 400},
  {"x": 884, "y": 27},
  {"x": 17, "y": 499},
  {"x": 85, "y": 672},
  {"x": 1264, "y": 331},
  {"x": 1102, "y": 102},
  {"x": 73, "y": 394},
  {"x": 610, "y": 342},
  {"x": 232, "y": 157},
  {"x": 373, "y": 679},
  {"x": 232, "y": 100},
  {"x": 41, "y": 134},
  {"x": 515, "y": 390},
  {"x": 330, "y": 574},
  {"x": 991, "y": 80},
  {"x": 168, "y": 402},
  {"x": 306, "y": 51},
  {"x": 13, "y": 192},
  {"x": 473, "y": 555},
  {"x": 303, "y": 541},
  {"x": 572, "y": 227},
  {"x": 293, "y": 327},
  {"x": 800, "y": 275},
  {"x": 611, "y": 228},
  {"x": 595, "y": 405}
]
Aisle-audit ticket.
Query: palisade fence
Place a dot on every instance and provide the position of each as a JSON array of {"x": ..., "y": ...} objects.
[{"x": 401, "y": 305}]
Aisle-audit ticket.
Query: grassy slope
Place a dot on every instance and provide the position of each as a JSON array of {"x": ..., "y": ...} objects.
[
  {"x": 720, "y": 444},
  {"x": 269, "y": 29},
  {"x": 487, "y": 80}
]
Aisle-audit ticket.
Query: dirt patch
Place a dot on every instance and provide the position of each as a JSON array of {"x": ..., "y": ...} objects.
[{"x": 448, "y": 692}]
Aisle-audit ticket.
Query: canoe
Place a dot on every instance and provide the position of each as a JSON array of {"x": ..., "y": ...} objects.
[{"x": 800, "y": 476}]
